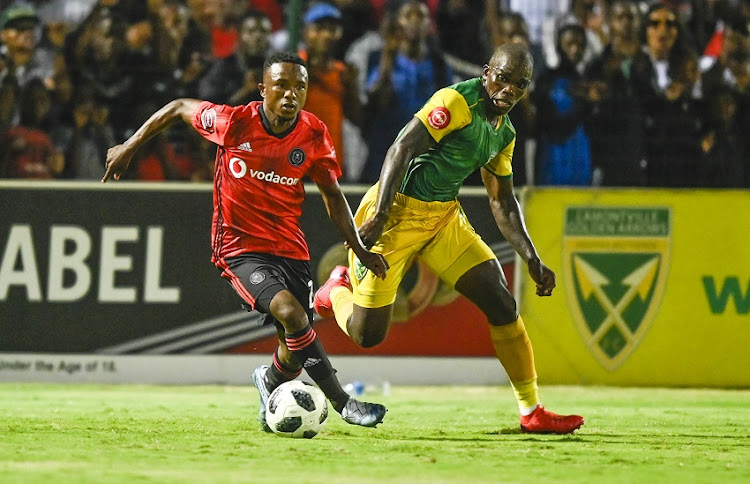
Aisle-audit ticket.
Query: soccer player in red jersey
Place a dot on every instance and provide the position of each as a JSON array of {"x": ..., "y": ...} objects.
[{"x": 265, "y": 148}]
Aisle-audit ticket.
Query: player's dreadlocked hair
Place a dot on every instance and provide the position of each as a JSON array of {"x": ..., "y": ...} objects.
[{"x": 280, "y": 57}]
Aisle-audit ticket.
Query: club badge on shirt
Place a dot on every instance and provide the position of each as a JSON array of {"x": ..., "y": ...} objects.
[
  {"x": 439, "y": 117},
  {"x": 296, "y": 157}
]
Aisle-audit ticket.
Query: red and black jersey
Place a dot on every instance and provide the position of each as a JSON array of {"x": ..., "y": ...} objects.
[{"x": 258, "y": 190}]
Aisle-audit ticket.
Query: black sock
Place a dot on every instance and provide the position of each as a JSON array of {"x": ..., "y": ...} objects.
[
  {"x": 279, "y": 373},
  {"x": 306, "y": 348}
]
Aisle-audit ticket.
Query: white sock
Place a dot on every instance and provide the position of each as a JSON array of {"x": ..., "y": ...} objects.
[{"x": 528, "y": 410}]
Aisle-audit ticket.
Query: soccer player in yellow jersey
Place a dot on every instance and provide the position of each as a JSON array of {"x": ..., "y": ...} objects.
[{"x": 413, "y": 211}]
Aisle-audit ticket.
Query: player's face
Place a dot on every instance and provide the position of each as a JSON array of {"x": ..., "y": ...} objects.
[
  {"x": 284, "y": 89},
  {"x": 506, "y": 81}
]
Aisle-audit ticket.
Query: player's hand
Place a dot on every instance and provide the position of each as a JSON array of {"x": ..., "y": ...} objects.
[
  {"x": 375, "y": 262},
  {"x": 372, "y": 229},
  {"x": 543, "y": 276},
  {"x": 118, "y": 160}
]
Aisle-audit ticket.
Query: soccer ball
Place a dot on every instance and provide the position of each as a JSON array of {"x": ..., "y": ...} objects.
[{"x": 296, "y": 409}]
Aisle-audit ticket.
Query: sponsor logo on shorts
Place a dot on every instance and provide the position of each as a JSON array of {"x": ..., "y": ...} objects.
[
  {"x": 208, "y": 120},
  {"x": 296, "y": 157},
  {"x": 257, "y": 277},
  {"x": 439, "y": 117},
  {"x": 311, "y": 362}
]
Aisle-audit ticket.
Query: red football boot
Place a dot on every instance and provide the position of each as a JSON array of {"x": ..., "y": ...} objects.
[
  {"x": 322, "y": 300},
  {"x": 543, "y": 421}
]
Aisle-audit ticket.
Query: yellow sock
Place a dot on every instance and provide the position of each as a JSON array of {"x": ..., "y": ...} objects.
[
  {"x": 527, "y": 395},
  {"x": 343, "y": 306},
  {"x": 513, "y": 349}
]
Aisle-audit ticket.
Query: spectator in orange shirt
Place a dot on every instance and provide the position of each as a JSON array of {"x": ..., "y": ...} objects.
[{"x": 332, "y": 91}]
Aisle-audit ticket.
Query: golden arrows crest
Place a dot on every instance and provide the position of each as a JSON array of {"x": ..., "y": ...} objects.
[{"x": 615, "y": 262}]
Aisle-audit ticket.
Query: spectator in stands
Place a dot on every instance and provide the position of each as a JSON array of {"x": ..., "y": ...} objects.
[
  {"x": 511, "y": 28},
  {"x": 615, "y": 127},
  {"x": 105, "y": 64},
  {"x": 725, "y": 154},
  {"x": 90, "y": 137},
  {"x": 332, "y": 92},
  {"x": 366, "y": 47},
  {"x": 727, "y": 67},
  {"x": 590, "y": 14},
  {"x": 357, "y": 18},
  {"x": 234, "y": 79},
  {"x": 26, "y": 150},
  {"x": 663, "y": 83},
  {"x": 9, "y": 93},
  {"x": 563, "y": 151},
  {"x": 536, "y": 13},
  {"x": 401, "y": 78},
  {"x": 23, "y": 60},
  {"x": 731, "y": 70},
  {"x": 459, "y": 26},
  {"x": 197, "y": 51},
  {"x": 170, "y": 22}
]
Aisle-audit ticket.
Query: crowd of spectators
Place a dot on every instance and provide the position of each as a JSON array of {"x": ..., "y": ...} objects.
[{"x": 624, "y": 93}]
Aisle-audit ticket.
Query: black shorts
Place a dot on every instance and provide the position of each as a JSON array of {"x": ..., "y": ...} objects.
[{"x": 257, "y": 278}]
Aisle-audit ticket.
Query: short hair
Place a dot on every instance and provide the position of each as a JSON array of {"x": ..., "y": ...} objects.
[
  {"x": 515, "y": 50},
  {"x": 283, "y": 57},
  {"x": 254, "y": 13}
]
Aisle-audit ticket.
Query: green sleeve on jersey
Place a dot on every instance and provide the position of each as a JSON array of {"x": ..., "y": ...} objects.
[{"x": 445, "y": 112}]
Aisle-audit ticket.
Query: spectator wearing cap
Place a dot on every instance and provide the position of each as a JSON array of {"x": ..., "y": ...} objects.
[
  {"x": 23, "y": 60},
  {"x": 332, "y": 92}
]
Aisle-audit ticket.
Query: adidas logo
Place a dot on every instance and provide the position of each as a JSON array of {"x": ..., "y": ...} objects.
[
  {"x": 245, "y": 147},
  {"x": 311, "y": 362}
]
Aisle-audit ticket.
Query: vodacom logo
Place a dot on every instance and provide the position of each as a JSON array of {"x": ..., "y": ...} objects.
[{"x": 238, "y": 167}]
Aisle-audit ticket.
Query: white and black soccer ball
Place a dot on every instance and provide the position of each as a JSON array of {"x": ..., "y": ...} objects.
[{"x": 296, "y": 409}]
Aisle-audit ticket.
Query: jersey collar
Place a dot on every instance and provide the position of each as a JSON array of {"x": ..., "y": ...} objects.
[{"x": 267, "y": 124}]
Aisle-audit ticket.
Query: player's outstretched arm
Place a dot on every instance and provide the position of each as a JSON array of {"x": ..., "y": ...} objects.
[
  {"x": 509, "y": 219},
  {"x": 341, "y": 215},
  {"x": 118, "y": 157},
  {"x": 413, "y": 140}
]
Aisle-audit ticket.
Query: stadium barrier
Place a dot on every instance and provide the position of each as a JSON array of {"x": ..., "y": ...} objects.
[
  {"x": 653, "y": 286},
  {"x": 113, "y": 283}
]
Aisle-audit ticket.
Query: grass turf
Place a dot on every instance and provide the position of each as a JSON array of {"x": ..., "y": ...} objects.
[{"x": 126, "y": 433}]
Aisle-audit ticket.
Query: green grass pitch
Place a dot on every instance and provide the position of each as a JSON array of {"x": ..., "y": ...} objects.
[{"x": 133, "y": 434}]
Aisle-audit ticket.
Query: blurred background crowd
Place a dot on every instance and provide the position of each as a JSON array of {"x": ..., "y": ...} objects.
[{"x": 624, "y": 93}]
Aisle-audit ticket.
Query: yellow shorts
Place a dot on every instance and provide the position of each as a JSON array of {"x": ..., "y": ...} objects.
[{"x": 437, "y": 232}]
